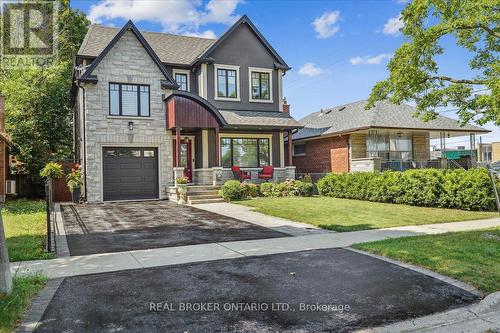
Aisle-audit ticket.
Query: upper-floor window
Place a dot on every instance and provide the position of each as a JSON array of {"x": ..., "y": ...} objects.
[
  {"x": 227, "y": 82},
  {"x": 128, "y": 100},
  {"x": 260, "y": 84},
  {"x": 182, "y": 79}
]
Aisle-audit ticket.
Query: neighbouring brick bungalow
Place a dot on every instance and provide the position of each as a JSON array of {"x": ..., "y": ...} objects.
[{"x": 349, "y": 138}]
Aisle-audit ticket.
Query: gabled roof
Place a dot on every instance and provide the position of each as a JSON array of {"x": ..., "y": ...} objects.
[
  {"x": 281, "y": 64},
  {"x": 171, "y": 49},
  {"x": 351, "y": 117},
  {"x": 87, "y": 76}
]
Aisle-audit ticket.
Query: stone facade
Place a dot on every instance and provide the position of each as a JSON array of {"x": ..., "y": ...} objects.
[
  {"x": 126, "y": 62},
  {"x": 367, "y": 164},
  {"x": 421, "y": 146}
]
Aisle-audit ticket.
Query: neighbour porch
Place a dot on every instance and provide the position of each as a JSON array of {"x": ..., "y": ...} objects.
[{"x": 399, "y": 149}]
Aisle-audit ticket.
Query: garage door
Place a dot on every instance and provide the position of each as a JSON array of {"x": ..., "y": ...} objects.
[{"x": 130, "y": 173}]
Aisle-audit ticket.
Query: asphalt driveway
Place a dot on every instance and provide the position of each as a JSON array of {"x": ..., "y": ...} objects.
[
  {"x": 116, "y": 227},
  {"x": 252, "y": 294}
]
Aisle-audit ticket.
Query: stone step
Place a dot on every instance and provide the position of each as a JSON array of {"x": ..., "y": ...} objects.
[
  {"x": 203, "y": 196},
  {"x": 207, "y": 192},
  {"x": 204, "y": 201}
]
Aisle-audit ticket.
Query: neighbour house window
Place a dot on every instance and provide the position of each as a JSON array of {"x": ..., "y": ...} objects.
[
  {"x": 299, "y": 149},
  {"x": 227, "y": 83},
  {"x": 390, "y": 147},
  {"x": 182, "y": 80},
  {"x": 128, "y": 100},
  {"x": 260, "y": 86},
  {"x": 244, "y": 152}
]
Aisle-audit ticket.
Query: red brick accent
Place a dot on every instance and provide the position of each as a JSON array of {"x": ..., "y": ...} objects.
[
  {"x": 286, "y": 108},
  {"x": 324, "y": 155}
]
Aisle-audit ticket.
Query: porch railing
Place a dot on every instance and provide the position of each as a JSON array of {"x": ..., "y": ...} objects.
[{"x": 408, "y": 165}]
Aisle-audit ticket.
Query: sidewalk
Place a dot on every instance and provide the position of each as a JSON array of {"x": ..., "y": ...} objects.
[{"x": 99, "y": 263}]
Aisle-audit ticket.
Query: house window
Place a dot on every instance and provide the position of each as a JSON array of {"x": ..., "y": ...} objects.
[
  {"x": 260, "y": 86},
  {"x": 299, "y": 149},
  {"x": 182, "y": 81},
  {"x": 245, "y": 152},
  {"x": 390, "y": 147},
  {"x": 226, "y": 82},
  {"x": 128, "y": 100}
]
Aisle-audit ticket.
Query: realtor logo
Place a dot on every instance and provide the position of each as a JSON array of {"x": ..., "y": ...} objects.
[{"x": 28, "y": 33}]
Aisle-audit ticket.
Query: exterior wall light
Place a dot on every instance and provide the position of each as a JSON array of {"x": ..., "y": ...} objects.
[{"x": 131, "y": 125}]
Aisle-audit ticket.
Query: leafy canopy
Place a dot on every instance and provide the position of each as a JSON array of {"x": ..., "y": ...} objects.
[{"x": 414, "y": 71}]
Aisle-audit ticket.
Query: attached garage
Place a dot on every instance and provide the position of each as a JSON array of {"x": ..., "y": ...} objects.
[{"x": 130, "y": 173}]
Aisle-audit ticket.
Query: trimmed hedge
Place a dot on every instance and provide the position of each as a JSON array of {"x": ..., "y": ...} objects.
[
  {"x": 289, "y": 188},
  {"x": 234, "y": 190},
  {"x": 460, "y": 189}
]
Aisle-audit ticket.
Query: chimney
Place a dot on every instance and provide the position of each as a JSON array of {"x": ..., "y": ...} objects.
[
  {"x": 286, "y": 106},
  {"x": 2, "y": 115}
]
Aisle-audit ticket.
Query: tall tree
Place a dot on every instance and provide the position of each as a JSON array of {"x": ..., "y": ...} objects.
[
  {"x": 414, "y": 71},
  {"x": 37, "y": 100}
]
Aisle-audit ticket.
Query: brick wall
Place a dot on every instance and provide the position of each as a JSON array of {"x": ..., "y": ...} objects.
[
  {"x": 324, "y": 155},
  {"x": 495, "y": 151},
  {"x": 421, "y": 147}
]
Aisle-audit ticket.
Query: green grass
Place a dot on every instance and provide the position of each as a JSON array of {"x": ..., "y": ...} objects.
[
  {"x": 25, "y": 229},
  {"x": 13, "y": 306},
  {"x": 350, "y": 215},
  {"x": 470, "y": 256}
]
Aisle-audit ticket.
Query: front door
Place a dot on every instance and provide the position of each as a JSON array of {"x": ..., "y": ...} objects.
[{"x": 187, "y": 158}]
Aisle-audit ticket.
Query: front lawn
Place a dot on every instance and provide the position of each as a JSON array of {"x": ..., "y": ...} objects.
[
  {"x": 25, "y": 229},
  {"x": 350, "y": 215},
  {"x": 13, "y": 306},
  {"x": 470, "y": 256}
]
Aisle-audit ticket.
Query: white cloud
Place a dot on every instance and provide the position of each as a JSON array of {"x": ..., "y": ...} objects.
[
  {"x": 369, "y": 60},
  {"x": 393, "y": 25},
  {"x": 325, "y": 25},
  {"x": 183, "y": 17},
  {"x": 310, "y": 69},
  {"x": 204, "y": 34}
]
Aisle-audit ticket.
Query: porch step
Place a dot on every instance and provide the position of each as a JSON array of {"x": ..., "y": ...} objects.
[
  {"x": 204, "y": 192},
  {"x": 204, "y": 201}
]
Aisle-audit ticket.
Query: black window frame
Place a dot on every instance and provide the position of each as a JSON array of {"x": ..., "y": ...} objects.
[
  {"x": 299, "y": 145},
  {"x": 243, "y": 138},
  {"x": 226, "y": 79},
  {"x": 120, "y": 109},
  {"x": 260, "y": 86},
  {"x": 187, "y": 80}
]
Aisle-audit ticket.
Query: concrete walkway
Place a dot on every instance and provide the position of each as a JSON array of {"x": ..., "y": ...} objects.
[{"x": 108, "y": 262}]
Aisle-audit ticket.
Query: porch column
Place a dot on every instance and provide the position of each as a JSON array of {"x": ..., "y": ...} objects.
[
  {"x": 217, "y": 147},
  {"x": 177, "y": 146},
  {"x": 290, "y": 147}
]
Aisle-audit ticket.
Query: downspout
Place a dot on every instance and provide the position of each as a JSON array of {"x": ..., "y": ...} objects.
[{"x": 84, "y": 142}]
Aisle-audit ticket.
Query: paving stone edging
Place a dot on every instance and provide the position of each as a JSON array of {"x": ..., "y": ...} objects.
[
  {"x": 449, "y": 280},
  {"x": 61, "y": 244},
  {"x": 32, "y": 317}
]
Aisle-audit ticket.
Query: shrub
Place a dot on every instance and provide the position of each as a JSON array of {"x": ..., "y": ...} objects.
[
  {"x": 232, "y": 190},
  {"x": 461, "y": 189},
  {"x": 52, "y": 170},
  {"x": 75, "y": 178},
  {"x": 249, "y": 190},
  {"x": 288, "y": 188}
]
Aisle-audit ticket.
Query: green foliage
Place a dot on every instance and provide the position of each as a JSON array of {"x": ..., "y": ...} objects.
[
  {"x": 461, "y": 189},
  {"x": 74, "y": 179},
  {"x": 414, "y": 70},
  {"x": 24, "y": 206},
  {"x": 289, "y": 188},
  {"x": 234, "y": 190},
  {"x": 181, "y": 180},
  {"x": 52, "y": 170}
]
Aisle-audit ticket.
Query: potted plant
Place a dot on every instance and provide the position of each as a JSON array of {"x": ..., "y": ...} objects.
[
  {"x": 74, "y": 180},
  {"x": 52, "y": 170},
  {"x": 181, "y": 189}
]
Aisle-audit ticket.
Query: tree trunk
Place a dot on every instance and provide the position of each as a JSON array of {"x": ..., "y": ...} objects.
[{"x": 5, "y": 276}]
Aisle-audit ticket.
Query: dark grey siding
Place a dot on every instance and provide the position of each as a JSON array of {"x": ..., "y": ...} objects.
[
  {"x": 198, "y": 151},
  {"x": 276, "y": 149},
  {"x": 211, "y": 148},
  {"x": 243, "y": 49}
]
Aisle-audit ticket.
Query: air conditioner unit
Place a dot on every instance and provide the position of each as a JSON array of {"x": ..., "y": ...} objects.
[{"x": 10, "y": 187}]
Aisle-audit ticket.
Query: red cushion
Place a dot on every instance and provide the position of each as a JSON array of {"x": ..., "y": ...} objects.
[
  {"x": 246, "y": 176},
  {"x": 235, "y": 168},
  {"x": 267, "y": 170},
  {"x": 265, "y": 176}
]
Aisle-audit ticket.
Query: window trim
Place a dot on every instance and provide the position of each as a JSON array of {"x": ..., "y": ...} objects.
[
  {"x": 247, "y": 136},
  {"x": 186, "y": 72},
  {"x": 260, "y": 70},
  {"x": 216, "y": 83},
  {"x": 120, "y": 111},
  {"x": 299, "y": 144}
]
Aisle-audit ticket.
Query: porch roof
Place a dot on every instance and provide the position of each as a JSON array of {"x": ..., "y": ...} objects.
[
  {"x": 352, "y": 117},
  {"x": 259, "y": 119}
]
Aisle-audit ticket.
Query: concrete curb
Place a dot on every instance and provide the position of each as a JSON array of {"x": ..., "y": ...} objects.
[
  {"x": 62, "y": 249},
  {"x": 449, "y": 280},
  {"x": 32, "y": 317}
]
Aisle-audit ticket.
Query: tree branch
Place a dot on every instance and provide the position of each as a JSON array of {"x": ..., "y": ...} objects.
[
  {"x": 480, "y": 26},
  {"x": 452, "y": 80}
]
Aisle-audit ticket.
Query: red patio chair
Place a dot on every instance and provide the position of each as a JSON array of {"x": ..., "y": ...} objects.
[
  {"x": 266, "y": 173},
  {"x": 240, "y": 174}
]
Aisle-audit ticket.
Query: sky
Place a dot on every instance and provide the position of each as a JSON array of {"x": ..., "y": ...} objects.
[{"x": 337, "y": 49}]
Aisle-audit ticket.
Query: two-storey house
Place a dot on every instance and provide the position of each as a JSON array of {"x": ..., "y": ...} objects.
[{"x": 152, "y": 107}]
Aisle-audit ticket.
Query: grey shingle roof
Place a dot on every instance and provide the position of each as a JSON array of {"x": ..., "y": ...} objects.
[
  {"x": 171, "y": 49},
  {"x": 353, "y": 116},
  {"x": 259, "y": 119}
]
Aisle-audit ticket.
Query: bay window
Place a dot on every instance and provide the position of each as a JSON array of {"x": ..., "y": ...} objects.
[
  {"x": 390, "y": 147},
  {"x": 128, "y": 100},
  {"x": 245, "y": 152}
]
